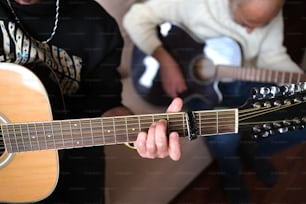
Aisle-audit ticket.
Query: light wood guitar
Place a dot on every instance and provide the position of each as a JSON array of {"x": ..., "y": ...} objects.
[{"x": 29, "y": 138}]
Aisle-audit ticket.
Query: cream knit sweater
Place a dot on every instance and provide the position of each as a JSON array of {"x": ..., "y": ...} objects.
[{"x": 204, "y": 19}]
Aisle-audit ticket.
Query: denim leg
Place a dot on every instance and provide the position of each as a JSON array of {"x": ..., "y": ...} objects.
[{"x": 224, "y": 149}]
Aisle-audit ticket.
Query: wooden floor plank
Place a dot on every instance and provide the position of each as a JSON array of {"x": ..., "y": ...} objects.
[{"x": 290, "y": 187}]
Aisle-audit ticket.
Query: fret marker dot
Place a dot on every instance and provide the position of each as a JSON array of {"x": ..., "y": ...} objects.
[
  {"x": 133, "y": 129},
  {"x": 33, "y": 137},
  {"x": 108, "y": 131}
]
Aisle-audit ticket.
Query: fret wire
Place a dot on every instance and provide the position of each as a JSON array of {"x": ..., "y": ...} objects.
[
  {"x": 81, "y": 131},
  {"x": 263, "y": 75},
  {"x": 17, "y": 147},
  {"x": 121, "y": 135},
  {"x": 32, "y": 137},
  {"x": 77, "y": 131},
  {"x": 217, "y": 123},
  {"x": 248, "y": 73},
  {"x": 6, "y": 142},
  {"x": 59, "y": 140},
  {"x": 298, "y": 77},
  {"x": 66, "y": 133},
  {"x": 102, "y": 128},
  {"x": 62, "y": 133},
  {"x": 71, "y": 133},
  {"x": 107, "y": 130},
  {"x": 88, "y": 139},
  {"x": 18, "y": 138},
  {"x": 29, "y": 137},
  {"x": 35, "y": 137},
  {"x": 43, "y": 127},
  {"x": 96, "y": 138},
  {"x": 36, "y": 133},
  {"x": 276, "y": 76},
  {"x": 40, "y": 135},
  {"x": 115, "y": 136},
  {"x": 169, "y": 122},
  {"x": 243, "y": 71},
  {"x": 26, "y": 138},
  {"x": 51, "y": 125},
  {"x": 269, "y": 75},
  {"x": 126, "y": 130},
  {"x": 132, "y": 127},
  {"x": 92, "y": 136},
  {"x": 50, "y": 143}
]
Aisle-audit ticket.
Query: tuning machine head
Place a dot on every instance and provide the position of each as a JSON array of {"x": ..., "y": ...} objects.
[{"x": 275, "y": 110}]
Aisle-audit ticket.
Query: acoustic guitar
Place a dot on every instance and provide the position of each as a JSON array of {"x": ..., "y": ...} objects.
[
  {"x": 30, "y": 138},
  {"x": 201, "y": 72}
]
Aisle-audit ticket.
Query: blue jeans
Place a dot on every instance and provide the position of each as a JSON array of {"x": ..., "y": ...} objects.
[{"x": 225, "y": 148}]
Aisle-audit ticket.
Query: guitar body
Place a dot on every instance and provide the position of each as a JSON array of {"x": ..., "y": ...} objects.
[
  {"x": 29, "y": 176},
  {"x": 186, "y": 51}
]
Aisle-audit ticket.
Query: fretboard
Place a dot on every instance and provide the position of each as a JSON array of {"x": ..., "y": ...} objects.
[
  {"x": 65, "y": 134},
  {"x": 259, "y": 75}
]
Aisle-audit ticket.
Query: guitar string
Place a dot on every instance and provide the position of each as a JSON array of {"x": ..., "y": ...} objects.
[
  {"x": 270, "y": 109},
  {"x": 213, "y": 118},
  {"x": 110, "y": 135},
  {"x": 213, "y": 122},
  {"x": 253, "y": 74}
]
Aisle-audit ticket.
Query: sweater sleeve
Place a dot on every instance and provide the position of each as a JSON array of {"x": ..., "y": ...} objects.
[
  {"x": 101, "y": 87},
  {"x": 142, "y": 20},
  {"x": 273, "y": 53}
]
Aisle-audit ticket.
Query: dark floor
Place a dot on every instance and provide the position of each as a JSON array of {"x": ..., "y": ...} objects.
[{"x": 290, "y": 188}]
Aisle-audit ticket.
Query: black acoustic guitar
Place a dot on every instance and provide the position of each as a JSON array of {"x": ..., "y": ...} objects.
[{"x": 202, "y": 75}]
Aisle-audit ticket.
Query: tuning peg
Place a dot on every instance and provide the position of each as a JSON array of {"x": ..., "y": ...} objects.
[
  {"x": 297, "y": 100},
  {"x": 294, "y": 88},
  {"x": 287, "y": 102},
  {"x": 256, "y": 129},
  {"x": 265, "y": 134},
  {"x": 267, "y": 104},
  {"x": 287, "y": 122},
  {"x": 282, "y": 130},
  {"x": 254, "y": 92},
  {"x": 267, "y": 126},
  {"x": 302, "y": 86},
  {"x": 264, "y": 91},
  {"x": 284, "y": 89},
  {"x": 274, "y": 90},
  {"x": 276, "y": 125},
  {"x": 277, "y": 103}
]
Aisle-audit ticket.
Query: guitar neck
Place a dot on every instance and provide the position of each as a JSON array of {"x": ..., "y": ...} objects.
[
  {"x": 65, "y": 134},
  {"x": 259, "y": 75}
]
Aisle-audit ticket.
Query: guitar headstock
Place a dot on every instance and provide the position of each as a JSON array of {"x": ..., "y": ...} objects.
[{"x": 275, "y": 109}]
